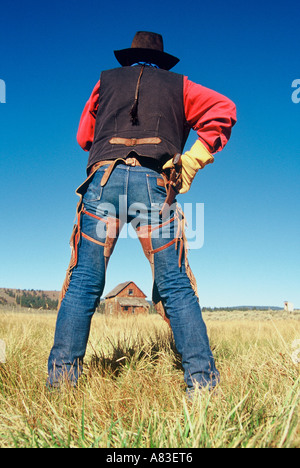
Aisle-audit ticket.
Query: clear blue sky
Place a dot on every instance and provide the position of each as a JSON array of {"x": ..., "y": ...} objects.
[{"x": 52, "y": 54}]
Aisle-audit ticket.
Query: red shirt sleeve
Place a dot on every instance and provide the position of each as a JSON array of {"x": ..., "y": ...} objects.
[
  {"x": 86, "y": 129},
  {"x": 210, "y": 114}
]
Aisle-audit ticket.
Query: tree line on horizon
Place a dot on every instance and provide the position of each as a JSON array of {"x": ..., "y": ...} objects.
[{"x": 32, "y": 300}]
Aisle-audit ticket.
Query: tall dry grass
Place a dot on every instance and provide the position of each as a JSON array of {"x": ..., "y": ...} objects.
[{"x": 132, "y": 393}]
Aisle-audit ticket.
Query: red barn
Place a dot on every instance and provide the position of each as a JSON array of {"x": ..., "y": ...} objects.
[{"x": 126, "y": 299}]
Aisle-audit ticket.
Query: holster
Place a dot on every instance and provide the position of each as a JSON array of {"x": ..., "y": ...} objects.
[{"x": 173, "y": 182}]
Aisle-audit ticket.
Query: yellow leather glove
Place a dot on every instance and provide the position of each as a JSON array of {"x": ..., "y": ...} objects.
[{"x": 193, "y": 160}]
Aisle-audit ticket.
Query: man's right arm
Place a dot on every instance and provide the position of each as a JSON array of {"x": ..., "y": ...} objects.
[{"x": 86, "y": 129}]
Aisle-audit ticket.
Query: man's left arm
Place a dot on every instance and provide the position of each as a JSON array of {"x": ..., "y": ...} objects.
[{"x": 210, "y": 114}]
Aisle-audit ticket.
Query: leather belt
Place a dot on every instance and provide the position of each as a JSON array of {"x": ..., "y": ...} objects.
[
  {"x": 131, "y": 161},
  {"x": 172, "y": 180}
]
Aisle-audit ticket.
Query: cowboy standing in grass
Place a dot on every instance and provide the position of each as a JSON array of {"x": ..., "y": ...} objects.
[{"x": 137, "y": 118}]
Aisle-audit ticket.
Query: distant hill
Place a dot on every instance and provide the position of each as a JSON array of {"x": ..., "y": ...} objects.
[{"x": 32, "y": 299}]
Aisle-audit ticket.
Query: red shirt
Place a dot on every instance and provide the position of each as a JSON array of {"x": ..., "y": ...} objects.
[{"x": 209, "y": 113}]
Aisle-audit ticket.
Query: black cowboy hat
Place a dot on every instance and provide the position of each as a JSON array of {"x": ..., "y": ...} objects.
[{"x": 146, "y": 47}]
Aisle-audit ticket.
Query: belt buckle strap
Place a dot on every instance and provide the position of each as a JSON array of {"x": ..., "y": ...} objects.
[
  {"x": 135, "y": 141},
  {"x": 108, "y": 171},
  {"x": 132, "y": 162}
]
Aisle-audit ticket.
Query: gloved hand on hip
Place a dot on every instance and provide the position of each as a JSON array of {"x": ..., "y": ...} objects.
[{"x": 193, "y": 160}]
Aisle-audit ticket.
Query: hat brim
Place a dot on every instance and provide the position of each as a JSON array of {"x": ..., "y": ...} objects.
[{"x": 127, "y": 57}]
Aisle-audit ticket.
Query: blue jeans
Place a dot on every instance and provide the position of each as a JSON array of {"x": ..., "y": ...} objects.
[{"x": 132, "y": 195}]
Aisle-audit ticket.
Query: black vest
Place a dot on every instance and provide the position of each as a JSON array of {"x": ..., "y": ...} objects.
[{"x": 160, "y": 114}]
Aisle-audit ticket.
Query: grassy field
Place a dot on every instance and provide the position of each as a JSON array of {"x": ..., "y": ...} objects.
[{"x": 132, "y": 393}]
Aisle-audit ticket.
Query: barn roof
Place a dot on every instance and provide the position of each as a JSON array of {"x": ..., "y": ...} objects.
[
  {"x": 117, "y": 289},
  {"x": 114, "y": 292}
]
